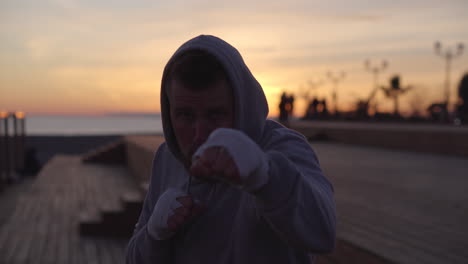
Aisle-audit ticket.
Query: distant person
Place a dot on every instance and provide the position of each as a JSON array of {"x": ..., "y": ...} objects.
[
  {"x": 291, "y": 108},
  {"x": 438, "y": 112},
  {"x": 313, "y": 108},
  {"x": 462, "y": 109},
  {"x": 229, "y": 186},
  {"x": 324, "y": 112},
  {"x": 283, "y": 115}
]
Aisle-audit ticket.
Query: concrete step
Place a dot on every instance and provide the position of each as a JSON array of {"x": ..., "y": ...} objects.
[
  {"x": 132, "y": 202},
  {"x": 112, "y": 153},
  {"x": 140, "y": 155},
  {"x": 109, "y": 224},
  {"x": 89, "y": 223},
  {"x": 112, "y": 221}
]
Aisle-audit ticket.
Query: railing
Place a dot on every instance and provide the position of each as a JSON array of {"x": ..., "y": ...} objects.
[{"x": 12, "y": 145}]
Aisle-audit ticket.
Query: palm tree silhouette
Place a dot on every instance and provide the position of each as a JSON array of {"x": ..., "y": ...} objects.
[{"x": 394, "y": 91}]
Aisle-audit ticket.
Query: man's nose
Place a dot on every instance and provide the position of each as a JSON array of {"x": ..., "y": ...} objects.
[{"x": 202, "y": 130}]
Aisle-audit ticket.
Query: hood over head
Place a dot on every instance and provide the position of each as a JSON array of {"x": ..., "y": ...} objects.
[{"x": 250, "y": 105}]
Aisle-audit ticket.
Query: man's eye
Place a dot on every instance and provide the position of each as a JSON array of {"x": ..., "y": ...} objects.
[{"x": 184, "y": 115}]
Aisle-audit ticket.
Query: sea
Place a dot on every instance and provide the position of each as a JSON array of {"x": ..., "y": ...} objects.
[{"x": 118, "y": 124}]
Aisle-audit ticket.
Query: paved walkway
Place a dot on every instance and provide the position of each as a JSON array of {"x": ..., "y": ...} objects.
[
  {"x": 39, "y": 222},
  {"x": 406, "y": 207}
]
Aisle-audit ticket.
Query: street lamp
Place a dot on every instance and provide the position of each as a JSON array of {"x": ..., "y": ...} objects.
[
  {"x": 335, "y": 79},
  {"x": 19, "y": 139},
  {"x": 375, "y": 70},
  {"x": 448, "y": 54},
  {"x": 3, "y": 148},
  {"x": 308, "y": 91}
]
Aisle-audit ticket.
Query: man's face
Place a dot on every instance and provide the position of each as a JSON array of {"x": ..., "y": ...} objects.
[{"x": 196, "y": 113}]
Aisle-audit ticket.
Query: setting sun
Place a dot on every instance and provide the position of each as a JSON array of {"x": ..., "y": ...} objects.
[{"x": 77, "y": 57}]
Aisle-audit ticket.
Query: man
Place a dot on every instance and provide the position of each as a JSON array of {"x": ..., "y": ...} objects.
[{"x": 228, "y": 186}]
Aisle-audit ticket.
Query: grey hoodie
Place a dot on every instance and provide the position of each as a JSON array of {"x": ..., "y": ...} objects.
[{"x": 288, "y": 220}]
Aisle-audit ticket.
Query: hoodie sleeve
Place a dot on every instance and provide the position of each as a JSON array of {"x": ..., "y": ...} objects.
[
  {"x": 297, "y": 201},
  {"x": 142, "y": 248}
]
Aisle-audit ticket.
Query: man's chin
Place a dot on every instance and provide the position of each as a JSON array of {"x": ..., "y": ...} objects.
[
  {"x": 198, "y": 180},
  {"x": 187, "y": 164},
  {"x": 187, "y": 159}
]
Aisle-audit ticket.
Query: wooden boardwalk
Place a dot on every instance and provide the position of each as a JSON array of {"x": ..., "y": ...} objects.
[
  {"x": 393, "y": 207},
  {"x": 40, "y": 217},
  {"x": 406, "y": 207}
]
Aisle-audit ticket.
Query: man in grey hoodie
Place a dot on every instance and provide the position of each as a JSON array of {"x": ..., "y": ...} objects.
[{"x": 229, "y": 186}]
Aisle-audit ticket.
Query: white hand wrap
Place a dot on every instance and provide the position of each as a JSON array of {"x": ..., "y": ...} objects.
[
  {"x": 165, "y": 206},
  {"x": 248, "y": 157}
]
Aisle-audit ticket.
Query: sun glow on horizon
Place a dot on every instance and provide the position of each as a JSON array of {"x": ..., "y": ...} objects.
[{"x": 75, "y": 57}]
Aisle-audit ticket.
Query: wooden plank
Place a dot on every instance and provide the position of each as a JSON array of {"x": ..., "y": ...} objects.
[
  {"x": 408, "y": 207},
  {"x": 392, "y": 203},
  {"x": 43, "y": 227},
  {"x": 26, "y": 228}
]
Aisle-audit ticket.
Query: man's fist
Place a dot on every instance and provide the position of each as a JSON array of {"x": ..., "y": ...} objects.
[
  {"x": 173, "y": 210},
  {"x": 216, "y": 163},
  {"x": 231, "y": 156},
  {"x": 182, "y": 214}
]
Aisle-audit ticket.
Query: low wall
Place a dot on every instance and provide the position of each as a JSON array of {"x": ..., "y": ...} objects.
[
  {"x": 439, "y": 139},
  {"x": 140, "y": 153},
  {"x": 48, "y": 146},
  {"x": 422, "y": 138}
]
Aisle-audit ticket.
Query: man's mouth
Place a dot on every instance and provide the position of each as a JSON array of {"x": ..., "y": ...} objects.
[{"x": 192, "y": 151}]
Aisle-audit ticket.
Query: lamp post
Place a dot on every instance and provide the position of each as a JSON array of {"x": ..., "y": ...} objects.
[
  {"x": 448, "y": 54},
  {"x": 375, "y": 70},
  {"x": 12, "y": 142},
  {"x": 307, "y": 92},
  {"x": 7, "y": 159},
  {"x": 3, "y": 147},
  {"x": 19, "y": 134},
  {"x": 335, "y": 79}
]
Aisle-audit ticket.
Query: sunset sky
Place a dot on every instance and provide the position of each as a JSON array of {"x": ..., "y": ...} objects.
[{"x": 92, "y": 57}]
